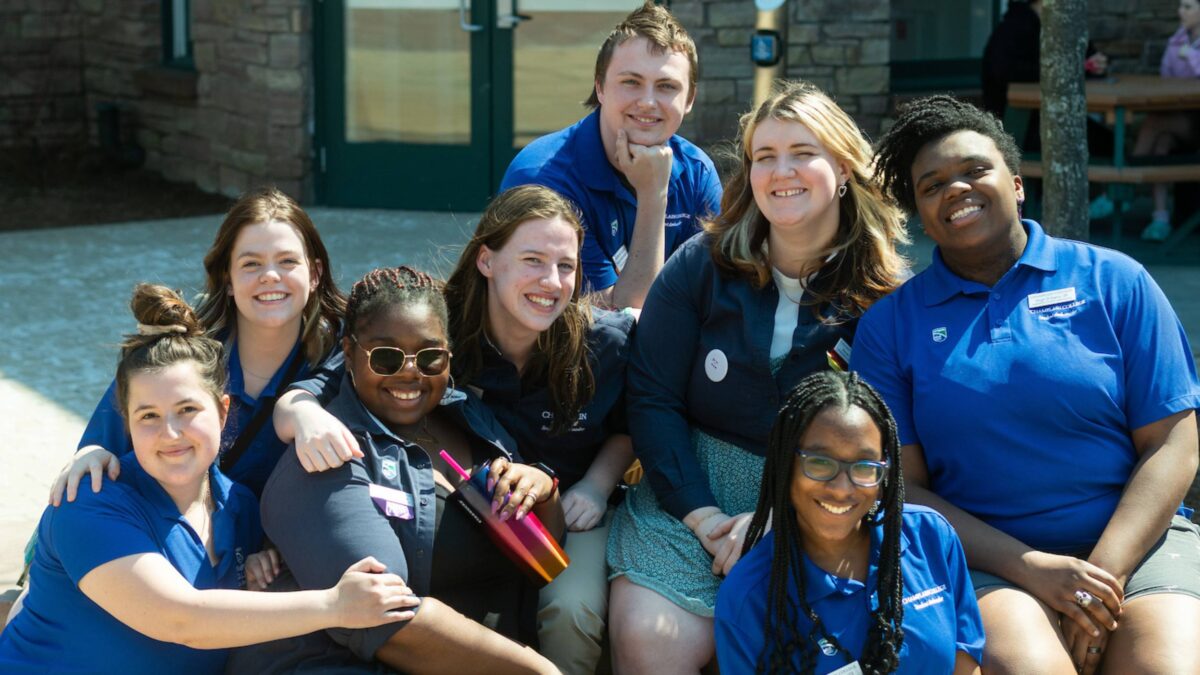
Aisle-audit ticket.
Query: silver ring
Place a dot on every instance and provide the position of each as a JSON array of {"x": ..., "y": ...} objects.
[
  {"x": 531, "y": 495},
  {"x": 1083, "y": 598},
  {"x": 1094, "y": 650}
]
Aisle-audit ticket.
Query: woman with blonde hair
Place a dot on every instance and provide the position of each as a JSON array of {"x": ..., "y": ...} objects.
[{"x": 769, "y": 293}]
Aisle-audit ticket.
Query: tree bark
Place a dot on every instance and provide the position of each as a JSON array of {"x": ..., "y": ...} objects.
[{"x": 1064, "y": 119}]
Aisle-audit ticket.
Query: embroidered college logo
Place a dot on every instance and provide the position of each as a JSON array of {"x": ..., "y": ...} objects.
[
  {"x": 826, "y": 648},
  {"x": 390, "y": 469},
  {"x": 614, "y": 228},
  {"x": 939, "y": 334}
]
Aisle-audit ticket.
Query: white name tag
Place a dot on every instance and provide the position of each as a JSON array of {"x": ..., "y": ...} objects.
[
  {"x": 842, "y": 349},
  {"x": 620, "y": 257},
  {"x": 1048, "y": 298},
  {"x": 848, "y": 669}
]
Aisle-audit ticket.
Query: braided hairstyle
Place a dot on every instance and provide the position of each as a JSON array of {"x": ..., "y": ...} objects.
[
  {"x": 924, "y": 121},
  {"x": 169, "y": 332},
  {"x": 387, "y": 286},
  {"x": 812, "y": 395}
]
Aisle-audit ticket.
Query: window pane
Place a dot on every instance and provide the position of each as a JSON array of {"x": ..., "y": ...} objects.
[
  {"x": 923, "y": 30},
  {"x": 554, "y": 59},
  {"x": 407, "y": 72}
]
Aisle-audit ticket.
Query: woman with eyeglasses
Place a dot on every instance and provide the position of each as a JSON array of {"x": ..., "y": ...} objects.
[
  {"x": 837, "y": 570},
  {"x": 768, "y": 294},
  {"x": 1045, "y": 396},
  {"x": 397, "y": 402},
  {"x": 143, "y": 576}
]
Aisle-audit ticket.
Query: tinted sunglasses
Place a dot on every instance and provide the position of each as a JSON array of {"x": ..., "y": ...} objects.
[
  {"x": 391, "y": 360},
  {"x": 863, "y": 472}
]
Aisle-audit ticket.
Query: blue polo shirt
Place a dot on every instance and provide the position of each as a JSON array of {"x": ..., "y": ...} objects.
[
  {"x": 324, "y": 522},
  {"x": 62, "y": 628},
  {"x": 702, "y": 358},
  {"x": 1023, "y": 395},
  {"x": 524, "y": 407},
  {"x": 941, "y": 616},
  {"x": 573, "y": 163},
  {"x": 108, "y": 430}
]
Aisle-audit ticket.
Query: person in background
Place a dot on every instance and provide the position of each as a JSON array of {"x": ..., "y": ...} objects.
[
  {"x": 769, "y": 293},
  {"x": 1044, "y": 392},
  {"x": 1164, "y": 133},
  {"x": 836, "y": 568},
  {"x": 642, "y": 190},
  {"x": 141, "y": 577}
]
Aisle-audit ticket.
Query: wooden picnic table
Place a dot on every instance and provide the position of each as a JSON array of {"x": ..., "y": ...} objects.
[{"x": 1117, "y": 97}]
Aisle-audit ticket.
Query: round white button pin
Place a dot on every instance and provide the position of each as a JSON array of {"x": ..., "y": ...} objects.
[{"x": 716, "y": 365}]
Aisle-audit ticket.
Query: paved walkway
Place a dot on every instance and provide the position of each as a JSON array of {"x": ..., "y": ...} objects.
[{"x": 63, "y": 299}]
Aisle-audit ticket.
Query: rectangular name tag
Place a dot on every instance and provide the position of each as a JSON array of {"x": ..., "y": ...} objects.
[
  {"x": 848, "y": 669},
  {"x": 392, "y": 502},
  {"x": 620, "y": 258},
  {"x": 1047, "y": 298}
]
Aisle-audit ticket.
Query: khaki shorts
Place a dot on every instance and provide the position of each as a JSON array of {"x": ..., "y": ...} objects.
[{"x": 1171, "y": 566}]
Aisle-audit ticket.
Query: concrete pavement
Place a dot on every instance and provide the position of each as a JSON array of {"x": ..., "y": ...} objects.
[{"x": 64, "y": 295}]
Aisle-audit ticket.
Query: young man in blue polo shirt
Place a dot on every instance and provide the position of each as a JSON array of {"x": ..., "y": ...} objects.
[{"x": 641, "y": 189}]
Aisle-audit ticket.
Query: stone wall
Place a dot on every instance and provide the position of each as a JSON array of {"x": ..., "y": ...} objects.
[
  {"x": 41, "y": 82},
  {"x": 238, "y": 120},
  {"x": 1132, "y": 34},
  {"x": 840, "y": 45}
]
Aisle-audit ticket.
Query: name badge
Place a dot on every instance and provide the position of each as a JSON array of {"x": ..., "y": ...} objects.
[
  {"x": 391, "y": 502},
  {"x": 716, "y": 365},
  {"x": 620, "y": 258},
  {"x": 1048, "y": 298},
  {"x": 848, "y": 669}
]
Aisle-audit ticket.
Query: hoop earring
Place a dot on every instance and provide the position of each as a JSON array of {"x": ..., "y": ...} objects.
[
  {"x": 452, "y": 382},
  {"x": 842, "y": 189}
]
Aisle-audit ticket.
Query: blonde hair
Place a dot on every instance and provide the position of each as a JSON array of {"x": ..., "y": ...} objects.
[{"x": 867, "y": 265}]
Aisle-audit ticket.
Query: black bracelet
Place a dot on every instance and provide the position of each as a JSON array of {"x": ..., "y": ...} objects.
[{"x": 549, "y": 472}]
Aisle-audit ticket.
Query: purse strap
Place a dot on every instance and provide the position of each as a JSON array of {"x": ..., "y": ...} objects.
[{"x": 230, "y": 458}]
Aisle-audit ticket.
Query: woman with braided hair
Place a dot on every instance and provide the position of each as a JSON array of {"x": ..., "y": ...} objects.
[
  {"x": 836, "y": 569},
  {"x": 1044, "y": 391},
  {"x": 397, "y": 401},
  {"x": 142, "y": 576}
]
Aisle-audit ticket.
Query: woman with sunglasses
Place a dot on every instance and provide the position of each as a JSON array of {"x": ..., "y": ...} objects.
[
  {"x": 396, "y": 401},
  {"x": 142, "y": 576},
  {"x": 768, "y": 294},
  {"x": 552, "y": 369},
  {"x": 1045, "y": 395},
  {"x": 270, "y": 299},
  {"x": 837, "y": 569}
]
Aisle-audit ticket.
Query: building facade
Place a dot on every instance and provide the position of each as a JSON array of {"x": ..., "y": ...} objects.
[{"x": 422, "y": 103}]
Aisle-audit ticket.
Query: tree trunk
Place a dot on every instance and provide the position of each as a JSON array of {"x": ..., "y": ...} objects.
[{"x": 1064, "y": 119}]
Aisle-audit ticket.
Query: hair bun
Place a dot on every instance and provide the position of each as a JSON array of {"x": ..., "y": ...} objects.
[{"x": 160, "y": 312}]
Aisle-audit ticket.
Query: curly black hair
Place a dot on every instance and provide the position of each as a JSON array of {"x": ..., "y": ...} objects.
[
  {"x": 924, "y": 121},
  {"x": 821, "y": 390},
  {"x": 386, "y": 286}
]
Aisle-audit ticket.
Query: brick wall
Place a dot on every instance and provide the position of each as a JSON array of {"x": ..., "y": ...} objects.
[
  {"x": 840, "y": 45},
  {"x": 41, "y": 87},
  {"x": 1133, "y": 34},
  {"x": 239, "y": 119}
]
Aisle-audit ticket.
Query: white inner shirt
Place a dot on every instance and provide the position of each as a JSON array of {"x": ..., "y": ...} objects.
[{"x": 787, "y": 312}]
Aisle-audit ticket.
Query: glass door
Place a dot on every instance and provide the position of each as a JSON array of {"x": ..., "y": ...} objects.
[{"x": 421, "y": 104}]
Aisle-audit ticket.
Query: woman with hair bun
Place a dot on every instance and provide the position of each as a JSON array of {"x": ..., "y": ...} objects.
[
  {"x": 848, "y": 572},
  {"x": 136, "y": 578}
]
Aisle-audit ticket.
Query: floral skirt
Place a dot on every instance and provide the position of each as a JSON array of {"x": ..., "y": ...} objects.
[{"x": 654, "y": 549}]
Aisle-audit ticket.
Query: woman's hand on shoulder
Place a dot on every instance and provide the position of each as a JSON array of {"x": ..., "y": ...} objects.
[
  {"x": 366, "y": 597},
  {"x": 583, "y": 506},
  {"x": 1056, "y": 579},
  {"x": 729, "y": 537},
  {"x": 322, "y": 441},
  {"x": 526, "y": 486},
  {"x": 262, "y": 568},
  {"x": 93, "y": 460}
]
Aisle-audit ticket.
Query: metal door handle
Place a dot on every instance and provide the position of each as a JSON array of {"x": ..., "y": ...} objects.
[{"x": 462, "y": 19}]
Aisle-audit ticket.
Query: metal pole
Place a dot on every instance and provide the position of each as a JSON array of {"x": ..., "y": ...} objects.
[{"x": 768, "y": 46}]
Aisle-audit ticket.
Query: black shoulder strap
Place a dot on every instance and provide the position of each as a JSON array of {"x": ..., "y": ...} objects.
[{"x": 230, "y": 458}]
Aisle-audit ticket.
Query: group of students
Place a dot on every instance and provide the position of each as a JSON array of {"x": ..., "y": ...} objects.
[{"x": 845, "y": 469}]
